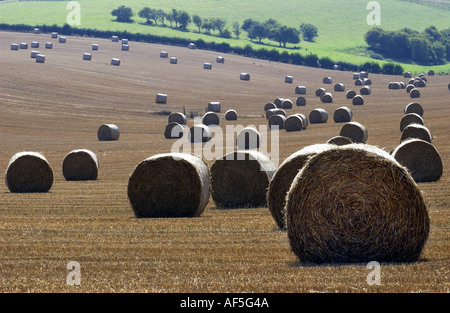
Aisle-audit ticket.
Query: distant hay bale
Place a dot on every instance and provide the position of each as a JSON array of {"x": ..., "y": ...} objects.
[
  {"x": 207, "y": 66},
  {"x": 414, "y": 107},
  {"x": 115, "y": 61},
  {"x": 94, "y": 47},
  {"x": 355, "y": 204},
  {"x": 173, "y": 60},
  {"x": 248, "y": 138},
  {"x": 288, "y": 79},
  {"x": 192, "y": 46},
  {"x": 342, "y": 115},
  {"x": 108, "y": 132},
  {"x": 277, "y": 121},
  {"x": 320, "y": 91},
  {"x": 174, "y": 130},
  {"x": 430, "y": 73},
  {"x": 199, "y": 133},
  {"x": 411, "y": 81},
  {"x": 282, "y": 180},
  {"x": 244, "y": 76},
  {"x": 339, "y": 141},
  {"x": 365, "y": 90},
  {"x": 124, "y": 41},
  {"x": 293, "y": 123},
  {"x": 210, "y": 118},
  {"x": 300, "y": 90},
  {"x": 54, "y": 35},
  {"x": 220, "y": 59},
  {"x": 34, "y": 44},
  {"x": 416, "y": 131},
  {"x": 240, "y": 179},
  {"x": 409, "y": 88},
  {"x": 164, "y": 54},
  {"x": 304, "y": 119},
  {"x": 125, "y": 47},
  {"x": 318, "y": 116},
  {"x": 300, "y": 101},
  {"x": 287, "y": 104},
  {"x": 40, "y": 58},
  {"x": 177, "y": 117},
  {"x": 161, "y": 98},
  {"x": 363, "y": 74},
  {"x": 410, "y": 118},
  {"x": 214, "y": 106},
  {"x": 48, "y": 45},
  {"x": 80, "y": 164},
  {"x": 358, "y": 100},
  {"x": 23, "y": 45},
  {"x": 350, "y": 94},
  {"x": 34, "y": 54},
  {"x": 87, "y": 56},
  {"x": 272, "y": 112},
  {"x": 36, "y": 31},
  {"x": 279, "y": 102},
  {"x": 14, "y": 46},
  {"x": 339, "y": 87},
  {"x": 367, "y": 82},
  {"x": 327, "y": 80},
  {"x": 115, "y": 39},
  {"x": 355, "y": 131},
  {"x": 421, "y": 159},
  {"x": 420, "y": 83},
  {"x": 407, "y": 75},
  {"x": 356, "y": 76},
  {"x": 231, "y": 115},
  {"x": 28, "y": 172},
  {"x": 394, "y": 85},
  {"x": 269, "y": 106},
  {"x": 402, "y": 85},
  {"x": 169, "y": 185},
  {"x": 62, "y": 39},
  {"x": 326, "y": 97},
  {"x": 358, "y": 82}
]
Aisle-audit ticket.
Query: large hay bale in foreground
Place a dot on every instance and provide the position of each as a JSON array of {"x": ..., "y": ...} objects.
[
  {"x": 210, "y": 118},
  {"x": 358, "y": 100},
  {"x": 416, "y": 131},
  {"x": 174, "y": 130},
  {"x": 342, "y": 115},
  {"x": 231, "y": 115},
  {"x": 283, "y": 177},
  {"x": 414, "y": 107},
  {"x": 355, "y": 204},
  {"x": 177, "y": 117},
  {"x": 28, "y": 172},
  {"x": 300, "y": 101},
  {"x": 339, "y": 141},
  {"x": 410, "y": 118},
  {"x": 318, "y": 116},
  {"x": 421, "y": 159},
  {"x": 199, "y": 133},
  {"x": 355, "y": 131},
  {"x": 241, "y": 179},
  {"x": 248, "y": 138},
  {"x": 169, "y": 185},
  {"x": 80, "y": 164},
  {"x": 293, "y": 123},
  {"x": 108, "y": 132}
]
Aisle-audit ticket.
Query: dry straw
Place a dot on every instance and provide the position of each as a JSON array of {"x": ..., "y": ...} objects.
[
  {"x": 421, "y": 159},
  {"x": 174, "y": 130},
  {"x": 282, "y": 180},
  {"x": 28, "y": 172},
  {"x": 339, "y": 141},
  {"x": 199, "y": 133},
  {"x": 410, "y": 118},
  {"x": 241, "y": 179},
  {"x": 169, "y": 185},
  {"x": 355, "y": 131},
  {"x": 248, "y": 138},
  {"x": 108, "y": 132},
  {"x": 318, "y": 116},
  {"x": 342, "y": 115},
  {"x": 416, "y": 131},
  {"x": 355, "y": 204},
  {"x": 80, "y": 164}
]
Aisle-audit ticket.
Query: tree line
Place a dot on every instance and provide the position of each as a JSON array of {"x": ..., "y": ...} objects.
[
  {"x": 270, "y": 29},
  {"x": 430, "y": 47}
]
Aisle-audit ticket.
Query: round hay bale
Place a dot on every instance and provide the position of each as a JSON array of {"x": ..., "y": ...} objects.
[
  {"x": 34, "y": 44},
  {"x": 199, "y": 133},
  {"x": 448, "y": 86},
  {"x": 339, "y": 87},
  {"x": 320, "y": 91},
  {"x": 115, "y": 61},
  {"x": 34, "y": 54},
  {"x": 173, "y": 60},
  {"x": 350, "y": 94},
  {"x": 416, "y": 131},
  {"x": 390, "y": 85},
  {"x": 207, "y": 66},
  {"x": 282, "y": 180},
  {"x": 177, "y": 117},
  {"x": 28, "y": 172},
  {"x": 40, "y": 58},
  {"x": 367, "y": 82},
  {"x": 269, "y": 106},
  {"x": 356, "y": 76},
  {"x": 365, "y": 90},
  {"x": 80, "y": 164},
  {"x": 402, "y": 85},
  {"x": 244, "y": 76},
  {"x": 355, "y": 132},
  {"x": 277, "y": 121},
  {"x": 94, "y": 47},
  {"x": 317, "y": 116},
  {"x": 326, "y": 97},
  {"x": 125, "y": 47},
  {"x": 410, "y": 118},
  {"x": 125, "y": 41},
  {"x": 430, "y": 73},
  {"x": 272, "y": 112},
  {"x": 87, "y": 56},
  {"x": 108, "y": 132},
  {"x": 210, "y": 118},
  {"x": 14, "y": 46},
  {"x": 164, "y": 54},
  {"x": 23, "y": 45},
  {"x": 304, "y": 120},
  {"x": 287, "y": 104},
  {"x": 192, "y": 46},
  {"x": 327, "y": 80},
  {"x": 355, "y": 204},
  {"x": 231, "y": 115},
  {"x": 358, "y": 82},
  {"x": 248, "y": 138},
  {"x": 48, "y": 45},
  {"x": 363, "y": 74},
  {"x": 293, "y": 123},
  {"x": 174, "y": 130},
  {"x": 421, "y": 158},
  {"x": 169, "y": 185},
  {"x": 115, "y": 39},
  {"x": 411, "y": 81},
  {"x": 409, "y": 88},
  {"x": 214, "y": 107},
  {"x": 420, "y": 83},
  {"x": 278, "y": 102},
  {"x": 240, "y": 179},
  {"x": 339, "y": 141},
  {"x": 54, "y": 35},
  {"x": 161, "y": 98},
  {"x": 288, "y": 79},
  {"x": 407, "y": 75},
  {"x": 220, "y": 59},
  {"x": 414, "y": 107},
  {"x": 358, "y": 100},
  {"x": 62, "y": 39},
  {"x": 342, "y": 115},
  {"x": 300, "y": 90},
  {"x": 36, "y": 31},
  {"x": 395, "y": 85},
  {"x": 300, "y": 101}
]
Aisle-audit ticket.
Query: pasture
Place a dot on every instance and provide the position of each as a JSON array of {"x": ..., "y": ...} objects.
[{"x": 56, "y": 107}]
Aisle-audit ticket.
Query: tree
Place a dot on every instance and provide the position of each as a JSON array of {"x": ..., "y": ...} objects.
[
  {"x": 197, "y": 21},
  {"x": 123, "y": 14},
  {"x": 257, "y": 30},
  {"x": 170, "y": 18},
  {"x": 309, "y": 31},
  {"x": 284, "y": 35},
  {"x": 184, "y": 19},
  {"x": 175, "y": 15},
  {"x": 247, "y": 24},
  {"x": 207, "y": 26},
  {"x": 146, "y": 13},
  {"x": 162, "y": 16},
  {"x": 236, "y": 29},
  {"x": 219, "y": 24}
]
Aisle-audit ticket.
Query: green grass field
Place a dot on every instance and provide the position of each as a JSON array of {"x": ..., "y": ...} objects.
[{"x": 341, "y": 25}]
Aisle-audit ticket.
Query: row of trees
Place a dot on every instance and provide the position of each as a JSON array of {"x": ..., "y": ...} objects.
[
  {"x": 429, "y": 47},
  {"x": 270, "y": 29}
]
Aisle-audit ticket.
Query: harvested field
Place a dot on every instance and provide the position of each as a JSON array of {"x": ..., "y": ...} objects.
[{"x": 236, "y": 250}]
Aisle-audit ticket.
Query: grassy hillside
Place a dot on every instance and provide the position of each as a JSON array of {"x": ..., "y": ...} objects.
[{"x": 341, "y": 27}]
